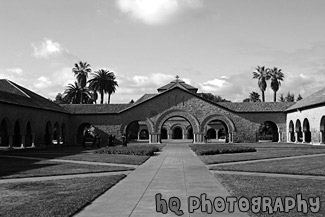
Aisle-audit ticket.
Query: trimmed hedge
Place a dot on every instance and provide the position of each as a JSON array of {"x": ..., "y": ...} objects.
[
  {"x": 142, "y": 150},
  {"x": 213, "y": 149}
]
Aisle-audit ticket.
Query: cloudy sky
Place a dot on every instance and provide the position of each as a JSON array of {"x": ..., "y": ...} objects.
[{"x": 211, "y": 44}]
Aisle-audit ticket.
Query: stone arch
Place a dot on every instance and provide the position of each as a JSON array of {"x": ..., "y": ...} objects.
[
  {"x": 189, "y": 130},
  {"x": 211, "y": 133},
  {"x": 178, "y": 132},
  {"x": 164, "y": 134},
  {"x": 81, "y": 132},
  {"x": 268, "y": 131},
  {"x": 298, "y": 130},
  {"x": 306, "y": 131},
  {"x": 177, "y": 113},
  {"x": 144, "y": 134},
  {"x": 291, "y": 131},
  {"x": 148, "y": 122},
  {"x": 4, "y": 132},
  {"x": 17, "y": 137},
  {"x": 28, "y": 135},
  {"x": 56, "y": 133},
  {"x": 229, "y": 123},
  {"x": 48, "y": 133}
]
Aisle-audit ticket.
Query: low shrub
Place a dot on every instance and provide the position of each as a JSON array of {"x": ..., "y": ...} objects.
[
  {"x": 143, "y": 150},
  {"x": 213, "y": 149}
]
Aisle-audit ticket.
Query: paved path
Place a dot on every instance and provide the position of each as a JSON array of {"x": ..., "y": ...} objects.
[
  {"x": 265, "y": 160},
  {"x": 177, "y": 172},
  {"x": 272, "y": 175},
  {"x": 47, "y": 178},
  {"x": 70, "y": 161}
]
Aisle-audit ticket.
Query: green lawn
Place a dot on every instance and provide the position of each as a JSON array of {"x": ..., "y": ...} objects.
[
  {"x": 52, "y": 198},
  {"x": 252, "y": 186},
  {"x": 265, "y": 151},
  {"x": 300, "y": 166},
  {"x": 18, "y": 168}
]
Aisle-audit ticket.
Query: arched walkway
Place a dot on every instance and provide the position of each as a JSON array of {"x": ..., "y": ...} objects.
[
  {"x": 211, "y": 134},
  {"x": 177, "y": 133},
  {"x": 306, "y": 131},
  {"x": 4, "y": 137},
  {"x": 291, "y": 136},
  {"x": 144, "y": 134},
  {"x": 56, "y": 134},
  {"x": 322, "y": 130},
  {"x": 190, "y": 133},
  {"x": 28, "y": 136},
  {"x": 216, "y": 130},
  {"x": 48, "y": 134},
  {"x": 82, "y": 130},
  {"x": 298, "y": 131},
  {"x": 17, "y": 135},
  {"x": 268, "y": 131},
  {"x": 63, "y": 133},
  {"x": 164, "y": 133}
]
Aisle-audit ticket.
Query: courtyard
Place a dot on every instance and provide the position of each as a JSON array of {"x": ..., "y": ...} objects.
[{"x": 65, "y": 181}]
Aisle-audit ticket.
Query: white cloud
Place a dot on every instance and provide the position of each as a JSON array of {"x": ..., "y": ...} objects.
[
  {"x": 42, "y": 82},
  {"x": 215, "y": 85},
  {"x": 47, "y": 47},
  {"x": 154, "y": 12},
  {"x": 17, "y": 71}
]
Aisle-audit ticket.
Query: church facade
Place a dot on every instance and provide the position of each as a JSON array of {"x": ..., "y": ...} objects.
[{"x": 175, "y": 112}]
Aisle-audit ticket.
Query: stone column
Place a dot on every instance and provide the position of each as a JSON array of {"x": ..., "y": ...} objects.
[
  {"x": 280, "y": 135},
  {"x": 10, "y": 138},
  {"x": 230, "y": 139},
  {"x": 303, "y": 137},
  {"x": 139, "y": 135},
  {"x": 297, "y": 136},
  {"x": 33, "y": 141},
  {"x": 321, "y": 137},
  {"x": 289, "y": 137},
  {"x": 154, "y": 138},
  {"x": 23, "y": 142}
]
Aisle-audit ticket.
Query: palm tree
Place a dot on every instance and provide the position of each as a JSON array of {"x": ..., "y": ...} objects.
[
  {"x": 100, "y": 82},
  {"x": 81, "y": 71},
  {"x": 111, "y": 87},
  {"x": 262, "y": 74},
  {"x": 73, "y": 94},
  {"x": 276, "y": 78}
]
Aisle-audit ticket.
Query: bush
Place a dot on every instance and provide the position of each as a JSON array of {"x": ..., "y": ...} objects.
[
  {"x": 143, "y": 150},
  {"x": 213, "y": 149}
]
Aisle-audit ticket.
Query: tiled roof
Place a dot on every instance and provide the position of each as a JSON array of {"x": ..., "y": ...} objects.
[
  {"x": 312, "y": 100},
  {"x": 95, "y": 108},
  {"x": 178, "y": 83},
  {"x": 145, "y": 97},
  {"x": 256, "y": 106},
  {"x": 12, "y": 93}
]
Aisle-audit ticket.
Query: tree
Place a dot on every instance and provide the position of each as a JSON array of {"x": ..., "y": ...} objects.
[
  {"x": 282, "y": 98},
  {"x": 100, "y": 82},
  {"x": 132, "y": 101},
  {"x": 290, "y": 97},
  {"x": 254, "y": 97},
  {"x": 214, "y": 98},
  {"x": 73, "y": 94},
  {"x": 262, "y": 75},
  {"x": 81, "y": 71},
  {"x": 112, "y": 84},
  {"x": 59, "y": 99},
  {"x": 299, "y": 97},
  {"x": 276, "y": 76}
]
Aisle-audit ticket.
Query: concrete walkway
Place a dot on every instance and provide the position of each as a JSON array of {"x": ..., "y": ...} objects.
[{"x": 176, "y": 172}]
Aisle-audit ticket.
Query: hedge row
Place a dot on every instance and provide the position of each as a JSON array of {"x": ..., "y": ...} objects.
[
  {"x": 130, "y": 150},
  {"x": 213, "y": 149}
]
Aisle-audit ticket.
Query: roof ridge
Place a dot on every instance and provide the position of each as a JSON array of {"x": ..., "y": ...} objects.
[{"x": 13, "y": 84}]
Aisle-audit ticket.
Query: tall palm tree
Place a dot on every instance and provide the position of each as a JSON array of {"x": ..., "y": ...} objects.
[
  {"x": 73, "y": 94},
  {"x": 276, "y": 78},
  {"x": 112, "y": 84},
  {"x": 262, "y": 74},
  {"x": 100, "y": 82},
  {"x": 81, "y": 71}
]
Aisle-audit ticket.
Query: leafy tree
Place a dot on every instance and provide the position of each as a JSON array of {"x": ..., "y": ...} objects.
[
  {"x": 73, "y": 94},
  {"x": 282, "y": 98},
  {"x": 254, "y": 97},
  {"x": 276, "y": 76},
  {"x": 262, "y": 75},
  {"x": 299, "y": 97},
  {"x": 81, "y": 71},
  {"x": 290, "y": 97},
  {"x": 100, "y": 82},
  {"x": 214, "y": 98},
  {"x": 59, "y": 99}
]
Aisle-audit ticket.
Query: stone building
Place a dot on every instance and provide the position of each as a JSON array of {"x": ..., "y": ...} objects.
[{"x": 176, "y": 112}]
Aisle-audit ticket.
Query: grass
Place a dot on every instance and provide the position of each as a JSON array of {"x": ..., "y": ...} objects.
[
  {"x": 215, "y": 149},
  {"x": 52, "y": 198},
  {"x": 265, "y": 151},
  {"x": 249, "y": 186},
  {"x": 19, "y": 168},
  {"x": 299, "y": 166}
]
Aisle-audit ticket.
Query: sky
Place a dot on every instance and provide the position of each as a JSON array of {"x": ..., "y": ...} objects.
[{"x": 214, "y": 45}]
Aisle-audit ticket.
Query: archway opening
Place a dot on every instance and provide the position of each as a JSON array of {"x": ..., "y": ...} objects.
[
  {"x": 306, "y": 129},
  {"x": 177, "y": 133},
  {"x": 144, "y": 134},
  {"x": 17, "y": 136},
  {"x": 63, "y": 133},
  {"x": 298, "y": 131},
  {"x": 268, "y": 131},
  {"x": 28, "y": 136},
  {"x": 177, "y": 128},
  {"x": 216, "y": 131},
  {"x": 4, "y": 138},
  {"x": 56, "y": 134},
  {"x": 163, "y": 134},
  {"x": 322, "y": 129},
  {"x": 291, "y": 132},
  {"x": 48, "y": 132},
  {"x": 85, "y": 133}
]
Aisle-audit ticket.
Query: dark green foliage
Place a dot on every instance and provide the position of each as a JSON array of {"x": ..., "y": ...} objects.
[
  {"x": 212, "y": 149},
  {"x": 142, "y": 150},
  {"x": 213, "y": 98}
]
